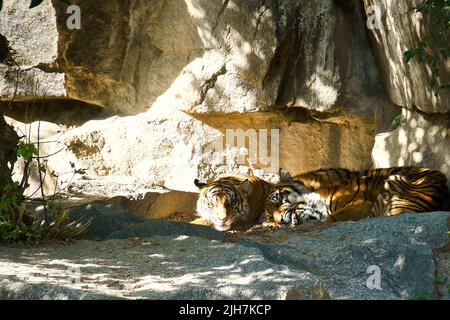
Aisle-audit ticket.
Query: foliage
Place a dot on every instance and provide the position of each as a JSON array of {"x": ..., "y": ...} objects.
[
  {"x": 9, "y": 197},
  {"x": 434, "y": 49},
  {"x": 35, "y": 3},
  {"x": 423, "y": 297},
  {"x": 8, "y": 231},
  {"x": 397, "y": 122},
  {"x": 61, "y": 227},
  {"x": 15, "y": 221},
  {"x": 26, "y": 150}
]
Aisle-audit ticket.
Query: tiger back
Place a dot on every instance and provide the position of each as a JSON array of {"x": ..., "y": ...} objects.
[
  {"x": 353, "y": 195},
  {"x": 291, "y": 194},
  {"x": 418, "y": 190},
  {"x": 322, "y": 178},
  {"x": 231, "y": 202}
]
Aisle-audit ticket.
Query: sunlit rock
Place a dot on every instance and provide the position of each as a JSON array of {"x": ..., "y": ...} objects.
[
  {"x": 408, "y": 83},
  {"x": 423, "y": 140}
]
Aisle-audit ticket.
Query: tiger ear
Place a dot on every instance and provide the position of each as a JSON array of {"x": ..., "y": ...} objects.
[
  {"x": 199, "y": 184},
  {"x": 245, "y": 187},
  {"x": 285, "y": 176}
]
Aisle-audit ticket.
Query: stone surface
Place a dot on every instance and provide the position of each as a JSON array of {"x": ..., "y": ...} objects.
[
  {"x": 423, "y": 140},
  {"x": 168, "y": 148},
  {"x": 8, "y": 143},
  {"x": 171, "y": 262},
  {"x": 442, "y": 278},
  {"x": 407, "y": 83},
  {"x": 212, "y": 56},
  {"x": 110, "y": 221},
  {"x": 185, "y": 72},
  {"x": 39, "y": 46}
]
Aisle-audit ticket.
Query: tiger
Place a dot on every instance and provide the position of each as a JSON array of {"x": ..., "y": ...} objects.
[
  {"x": 232, "y": 202},
  {"x": 331, "y": 195}
]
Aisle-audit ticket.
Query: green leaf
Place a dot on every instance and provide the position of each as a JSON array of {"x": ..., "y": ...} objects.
[
  {"x": 408, "y": 55},
  {"x": 35, "y": 3},
  {"x": 397, "y": 121},
  {"x": 1, "y": 5},
  {"x": 26, "y": 151}
]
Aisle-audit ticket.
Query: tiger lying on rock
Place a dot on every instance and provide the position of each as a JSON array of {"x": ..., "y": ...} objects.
[
  {"x": 327, "y": 195},
  {"x": 330, "y": 195},
  {"x": 232, "y": 202}
]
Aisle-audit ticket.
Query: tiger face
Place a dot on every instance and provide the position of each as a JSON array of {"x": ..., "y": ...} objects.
[
  {"x": 224, "y": 202},
  {"x": 285, "y": 200}
]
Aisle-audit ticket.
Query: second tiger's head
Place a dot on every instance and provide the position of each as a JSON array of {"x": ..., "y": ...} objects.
[{"x": 283, "y": 198}]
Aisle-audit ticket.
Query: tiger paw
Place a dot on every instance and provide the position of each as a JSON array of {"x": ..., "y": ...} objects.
[
  {"x": 270, "y": 224},
  {"x": 202, "y": 221},
  {"x": 306, "y": 214}
]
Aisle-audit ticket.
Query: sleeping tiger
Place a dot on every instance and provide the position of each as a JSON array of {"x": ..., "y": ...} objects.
[
  {"x": 232, "y": 202},
  {"x": 331, "y": 195}
]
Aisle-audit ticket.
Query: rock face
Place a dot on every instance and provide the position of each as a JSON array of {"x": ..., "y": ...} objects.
[
  {"x": 8, "y": 143},
  {"x": 407, "y": 83},
  {"x": 39, "y": 46},
  {"x": 298, "y": 76},
  {"x": 186, "y": 72},
  {"x": 219, "y": 56},
  {"x": 179, "y": 261},
  {"x": 423, "y": 140},
  {"x": 424, "y": 137},
  {"x": 171, "y": 149}
]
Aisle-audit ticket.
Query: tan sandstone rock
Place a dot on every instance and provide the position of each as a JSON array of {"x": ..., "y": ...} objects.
[
  {"x": 216, "y": 56},
  {"x": 424, "y": 140},
  {"x": 407, "y": 83},
  {"x": 167, "y": 80},
  {"x": 424, "y": 137}
]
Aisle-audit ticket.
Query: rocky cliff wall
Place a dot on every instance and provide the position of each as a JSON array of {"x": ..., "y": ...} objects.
[
  {"x": 423, "y": 138},
  {"x": 146, "y": 91}
]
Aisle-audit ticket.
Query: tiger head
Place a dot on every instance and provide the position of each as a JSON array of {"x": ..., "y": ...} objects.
[
  {"x": 284, "y": 198},
  {"x": 224, "y": 202}
]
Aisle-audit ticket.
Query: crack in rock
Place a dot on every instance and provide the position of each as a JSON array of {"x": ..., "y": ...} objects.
[
  {"x": 210, "y": 82},
  {"x": 222, "y": 9}
]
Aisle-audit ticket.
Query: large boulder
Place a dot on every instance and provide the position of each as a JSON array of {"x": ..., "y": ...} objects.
[
  {"x": 215, "y": 56},
  {"x": 186, "y": 73},
  {"x": 401, "y": 29},
  {"x": 383, "y": 258},
  {"x": 422, "y": 140},
  {"x": 168, "y": 148}
]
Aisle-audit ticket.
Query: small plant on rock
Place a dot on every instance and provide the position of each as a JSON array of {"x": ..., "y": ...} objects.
[{"x": 16, "y": 221}]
